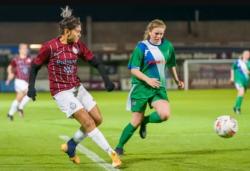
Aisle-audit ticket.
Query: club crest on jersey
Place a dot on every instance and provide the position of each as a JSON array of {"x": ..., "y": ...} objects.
[
  {"x": 75, "y": 50},
  {"x": 28, "y": 60}
]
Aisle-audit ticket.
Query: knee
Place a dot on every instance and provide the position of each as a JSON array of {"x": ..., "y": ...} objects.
[
  {"x": 164, "y": 115},
  {"x": 241, "y": 92},
  {"x": 136, "y": 121},
  {"x": 98, "y": 121},
  {"x": 89, "y": 124}
]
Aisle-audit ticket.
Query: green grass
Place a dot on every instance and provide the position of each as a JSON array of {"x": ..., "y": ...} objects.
[{"x": 186, "y": 142}]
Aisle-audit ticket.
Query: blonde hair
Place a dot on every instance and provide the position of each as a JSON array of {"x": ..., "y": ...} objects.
[{"x": 153, "y": 24}]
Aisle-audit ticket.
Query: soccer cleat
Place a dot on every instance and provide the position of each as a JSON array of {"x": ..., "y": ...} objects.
[
  {"x": 236, "y": 110},
  {"x": 116, "y": 161},
  {"x": 11, "y": 118},
  {"x": 20, "y": 111},
  {"x": 143, "y": 131},
  {"x": 69, "y": 148},
  {"x": 119, "y": 151}
]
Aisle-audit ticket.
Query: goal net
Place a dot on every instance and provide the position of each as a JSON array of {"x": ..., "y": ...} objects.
[{"x": 207, "y": 74}]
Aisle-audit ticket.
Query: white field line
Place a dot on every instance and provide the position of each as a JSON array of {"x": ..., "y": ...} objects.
[{"x": 91, "y": 155}]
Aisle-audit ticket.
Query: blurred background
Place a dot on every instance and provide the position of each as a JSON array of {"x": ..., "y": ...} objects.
[{"x": 207, "y": 36}]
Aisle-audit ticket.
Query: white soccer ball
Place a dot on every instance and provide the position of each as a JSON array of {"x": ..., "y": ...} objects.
[{"x": 226, "y": 126}]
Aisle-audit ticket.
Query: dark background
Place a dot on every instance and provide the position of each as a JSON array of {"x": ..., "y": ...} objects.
[{"x": 129, "y": 10}]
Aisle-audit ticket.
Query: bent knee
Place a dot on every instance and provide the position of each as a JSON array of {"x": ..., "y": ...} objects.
[
  {"x": 98, "y": 121},
  {"x": 89, "y": 124},
  {"x": 165, "y": 116},
  {"x": 136, "y": 121}
]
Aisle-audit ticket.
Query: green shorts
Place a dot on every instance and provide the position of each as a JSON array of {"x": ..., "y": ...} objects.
[
  {"x": 239, "y": 85},
  {"x": 142, "y": 95}
]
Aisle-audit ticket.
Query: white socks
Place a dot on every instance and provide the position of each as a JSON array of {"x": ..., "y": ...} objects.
[
  {"x": 97, "y": 136},
  {"x": 13, "y": 107},
  {"x": 16, "y": 105},
  {"x": 24, "y": 101},
  {"x": 79, "y": 136},
  {"x": 100, "y": 140}
]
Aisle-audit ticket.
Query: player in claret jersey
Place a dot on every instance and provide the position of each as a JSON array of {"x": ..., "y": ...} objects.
[
  {"x": 60, "y": 55},
  {"x": 19, "y": 69}
]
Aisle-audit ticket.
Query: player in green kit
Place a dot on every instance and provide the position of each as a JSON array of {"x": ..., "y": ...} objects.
[
  {"x": 240, "y": 77},
  {"x": 147, "y": 65}
]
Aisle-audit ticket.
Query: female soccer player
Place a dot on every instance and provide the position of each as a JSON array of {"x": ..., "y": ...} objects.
[
  {"x": 61, "y": 55},
  {"x": 240, "y": 77},
  {"x": 19, "y": 69},
  {"x": 147, "y": 65}
]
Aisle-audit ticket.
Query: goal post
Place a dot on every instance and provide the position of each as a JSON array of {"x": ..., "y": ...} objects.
[{"x": 209, "y": 73}]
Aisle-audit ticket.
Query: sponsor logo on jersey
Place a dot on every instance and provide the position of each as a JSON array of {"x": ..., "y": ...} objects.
[
  {"x": 157, "y": 62},
  {"x": 68, "y": 69}
]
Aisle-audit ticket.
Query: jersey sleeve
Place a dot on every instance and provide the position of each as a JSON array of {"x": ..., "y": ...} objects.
[
  {"x": 43, "y": 55},
  {"x": 136, "y": 58},
  {"x": 13, "y": 62},
  {"x": 85, "y": 53},
  {"x": 171, "y": 62},
  {"x": 234, "y": 65}
]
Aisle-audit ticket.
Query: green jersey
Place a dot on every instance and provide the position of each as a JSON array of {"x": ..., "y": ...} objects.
[
  {"x": 241, "y": 72},
  {"x": 152, "y": 60}
]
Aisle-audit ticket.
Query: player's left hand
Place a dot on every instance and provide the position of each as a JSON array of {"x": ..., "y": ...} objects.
[
  {"x": 110, "y": 86},
  {"x": 180, "y": 84}
]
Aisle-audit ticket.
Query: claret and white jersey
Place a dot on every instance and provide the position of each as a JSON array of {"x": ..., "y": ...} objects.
[{"x": 61, "y": 60}]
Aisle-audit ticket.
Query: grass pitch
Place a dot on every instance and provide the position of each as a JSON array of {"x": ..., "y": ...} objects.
[{"x": 187, "y": 142}]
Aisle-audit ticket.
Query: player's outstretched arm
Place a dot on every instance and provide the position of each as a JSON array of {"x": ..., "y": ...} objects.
[
  {"x": 231, "y": 76},
  {"x": 109, "y": 85},
  {"x": 32, "y": 79},
  {"x": 11, "y": 75},
  {"x": 179, "y": 83}
]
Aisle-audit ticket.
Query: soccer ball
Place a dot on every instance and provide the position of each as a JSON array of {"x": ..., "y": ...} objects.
[{"x": 226, "y": 126}]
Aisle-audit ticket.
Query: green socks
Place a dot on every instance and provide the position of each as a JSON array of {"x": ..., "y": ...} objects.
[
  {"x": 238, "y": 102},
  {"x": 128, "y": 131},
  {"x": 152, "y": 118}
]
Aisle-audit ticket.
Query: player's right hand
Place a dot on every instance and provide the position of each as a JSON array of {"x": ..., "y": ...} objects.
[
  {"x": 153, "y": 82},
  {"x": 32, "y": 93},
  {"x": 180, "y": 84}
]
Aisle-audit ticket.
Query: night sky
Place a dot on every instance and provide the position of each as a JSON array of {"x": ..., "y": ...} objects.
[{"x": 129, "y": 10}]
